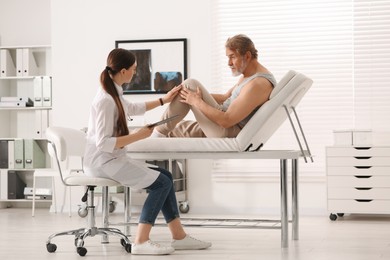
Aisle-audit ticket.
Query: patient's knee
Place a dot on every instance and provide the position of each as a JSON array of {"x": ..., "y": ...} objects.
[{"x": 191, "y": 84}]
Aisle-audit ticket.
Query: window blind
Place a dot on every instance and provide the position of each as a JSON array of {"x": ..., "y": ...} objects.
[
  {"x": 372, "y": 64},
  {"x": 343, "y": 45}
]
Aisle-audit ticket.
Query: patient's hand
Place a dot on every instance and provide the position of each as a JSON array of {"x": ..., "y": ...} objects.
[{"x": 190, "y": 97}]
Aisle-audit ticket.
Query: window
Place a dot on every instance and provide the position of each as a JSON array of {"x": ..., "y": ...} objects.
[{"x": 343, "y": 45}]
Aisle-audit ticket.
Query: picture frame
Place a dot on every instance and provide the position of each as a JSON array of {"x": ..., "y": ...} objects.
[{"x": 161, "y": 64}]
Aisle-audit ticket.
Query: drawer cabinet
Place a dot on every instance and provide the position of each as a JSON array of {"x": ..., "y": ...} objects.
[{"x": 358, "y": 180}]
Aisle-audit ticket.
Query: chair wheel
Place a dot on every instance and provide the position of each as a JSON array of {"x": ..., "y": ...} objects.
[
  {"x": 51, "y": 248},
  {"x": 112, "y": 206},
  {"x": 184, "y": 207},
  {"x": 332, "y": 216},
  {"x": 83, "y": 212},
  {"x": 82, "y": 251}
]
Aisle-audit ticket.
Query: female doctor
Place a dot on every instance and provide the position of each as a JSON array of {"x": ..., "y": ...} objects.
[{"x": 105, "y": 155}]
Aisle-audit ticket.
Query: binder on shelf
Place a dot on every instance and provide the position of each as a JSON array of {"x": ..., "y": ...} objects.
[
  {"x": 19, "y": 153},
  {"x": 4, "y": 154},
  {"x": 11, "y": 154},
  {"x": 46, "y": 91},
  {"x": 19, "y": 62},
  {"x": 38, "y": 92},
  {"x": 30, "y": 67},
  {"x": 38, "y": 123},
  {"x": 7, "y": 64},
  {"x": 34, "y": 157},
  {"x": 15, "y": 186}
]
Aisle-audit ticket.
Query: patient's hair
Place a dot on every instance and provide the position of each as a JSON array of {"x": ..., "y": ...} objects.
[
  {"x": 117, "y": 60},
  {"x": 241, "y": 43}
]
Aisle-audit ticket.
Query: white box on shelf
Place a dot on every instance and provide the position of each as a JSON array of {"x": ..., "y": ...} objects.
[
  {"x": 381, "y": 138},
  {"x": 362, "y": 137},
  {"x": 342, "y": 137},
  {"x": 46, "y": 91},
  {"x": 38, "y": 92}
]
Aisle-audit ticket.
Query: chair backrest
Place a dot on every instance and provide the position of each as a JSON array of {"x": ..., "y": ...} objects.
[
  {"x": 270, "y": 116},
  {"x": 67, "y": 142}
]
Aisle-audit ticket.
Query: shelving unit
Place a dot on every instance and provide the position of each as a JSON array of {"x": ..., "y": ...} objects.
[{"x": 25, "y": 71}]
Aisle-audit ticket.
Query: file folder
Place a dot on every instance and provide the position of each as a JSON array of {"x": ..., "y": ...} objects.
[
  {"x": 34, "y": 157},
  {"x": 46, "y": 91},
  {"x": 30, "y": 67},
  {"x": 7, "y": 64},
  {"x": 3, "y": 154},
  {"x": 19, "y": 153},
  {"x": 11, "y": 154},
  {"x": 38, "y": 100}
]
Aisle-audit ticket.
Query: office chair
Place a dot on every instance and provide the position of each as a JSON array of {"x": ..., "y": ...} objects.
[{"x": 66, "y": 143}]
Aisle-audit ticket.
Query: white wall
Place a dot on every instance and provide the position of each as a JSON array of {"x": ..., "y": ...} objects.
[
  {"x": 83, "y": 32},
  {"x": 19, "y": 25}
]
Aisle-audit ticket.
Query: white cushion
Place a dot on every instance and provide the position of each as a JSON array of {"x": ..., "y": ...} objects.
[
  {"x": 185, "y": 145},
  {"x": 83, "y": 180}
]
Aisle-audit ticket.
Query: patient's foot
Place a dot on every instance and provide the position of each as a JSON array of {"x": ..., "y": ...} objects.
[{"x": 156, "y": 134}]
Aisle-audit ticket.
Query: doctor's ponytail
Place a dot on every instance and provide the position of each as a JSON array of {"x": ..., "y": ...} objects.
[{"x": 117, "y": 60}]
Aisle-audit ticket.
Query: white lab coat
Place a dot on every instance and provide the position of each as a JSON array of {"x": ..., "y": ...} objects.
[{"x": 101, "y": 158}]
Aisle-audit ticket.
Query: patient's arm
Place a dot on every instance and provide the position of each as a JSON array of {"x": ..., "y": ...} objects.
[
  {"x": 220, "y": 98},
  {"x": 252, "y": 95}
]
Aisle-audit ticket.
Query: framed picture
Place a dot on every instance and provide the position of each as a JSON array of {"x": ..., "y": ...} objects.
[{"x": 161, "y": 64}]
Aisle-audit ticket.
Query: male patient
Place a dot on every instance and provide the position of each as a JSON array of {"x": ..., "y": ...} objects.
[{"x": 221, "y": 115}]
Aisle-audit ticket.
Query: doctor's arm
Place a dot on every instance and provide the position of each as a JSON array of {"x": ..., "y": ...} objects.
[
  {"x": 140, "y": 134},
  {"x": 167, "y": 98}
]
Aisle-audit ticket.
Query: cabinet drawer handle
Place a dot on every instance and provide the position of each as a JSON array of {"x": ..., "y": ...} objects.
[
  {"x": 362, "y": 176},
  {"x": 363, "y": 188},
  {"x": 362, "y": 157},
  {"x": 362, "y": 148},
  {"x": 362, "y": 167},
  {"x": 363, "y": 200}
]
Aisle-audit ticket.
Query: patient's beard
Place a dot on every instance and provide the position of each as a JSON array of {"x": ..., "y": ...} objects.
[{"x": 240, "y": 69}]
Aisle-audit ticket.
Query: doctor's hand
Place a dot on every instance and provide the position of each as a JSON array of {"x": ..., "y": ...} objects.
[
  {"x": 190, "y": 97},
  {"x": 171, "y": 94}
]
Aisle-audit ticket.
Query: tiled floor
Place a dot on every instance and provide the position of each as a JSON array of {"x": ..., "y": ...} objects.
[{"x": 352, "y": 237}]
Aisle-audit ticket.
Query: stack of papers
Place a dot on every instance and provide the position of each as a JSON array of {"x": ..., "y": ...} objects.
[{"x": 16, "y": 102}]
